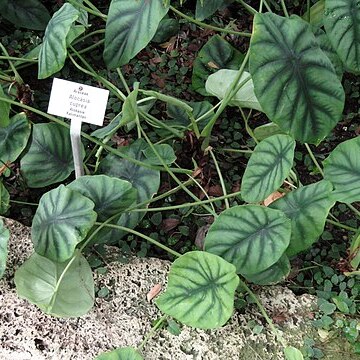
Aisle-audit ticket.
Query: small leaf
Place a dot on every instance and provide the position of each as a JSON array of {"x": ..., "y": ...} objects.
[
  {"x": 173, "y": 328},
  {"x": 292, "y": 353},
  {"x": 155, "y": 291},
  {"x": 206, "y": 8},
  {"x": 56, "y": 289},
  {"x": 272, "y": 197},
  {"x": 200, "y": 291},
  {"x": 130, "y": 108},
  {"x": 165, "y": 151},
  {"x": 127, "y": 353},
  {"x": 4, "y": 199},
  {"x": 264, "y": 131},
  {"x": 4, "y": 239},
  {"x": 61, "y": 221}
]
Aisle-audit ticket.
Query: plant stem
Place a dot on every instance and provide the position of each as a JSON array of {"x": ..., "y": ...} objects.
[
  {"x": 250, "y": 9},
  {"x": 206, "y": 26},
  {"x": 267, "y": 6},
  {"x": 13, "y": 58},
  {"x": 23, "y": 203},
  {"x": 78, "y": 4},
  {"x": 313, "y": 158},
  {"x": 284, "y": 8},
  {"x": 121, "y": 76},
  {"x": 354, "y": 210},
  {"x": 238, "y": 151},
  {"x": 152, "y": 332},
  {"x": 308, "y": 6},
  {"x": 18, "y": 78},
  {"x": 342, "y": 226}
]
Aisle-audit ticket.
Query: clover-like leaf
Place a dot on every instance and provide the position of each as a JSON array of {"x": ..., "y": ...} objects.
[
  {"x": 269, "y": 165},
  {"x": 61, "y": 221},
  {"x": 342, "y": 24},
  {"x": 200, "y": 291},
  {"x": 308, "y": 208},
  {"x": 4, "y": 239},
  {"x": 296, "y": 85},
  {"x": 60, "y": 289},
  {"x": 127, "y": 353},
  {"x": 342, "y": 169},
  {"x": 251, "y": 237},
  {"x": 110, "y": 195}
]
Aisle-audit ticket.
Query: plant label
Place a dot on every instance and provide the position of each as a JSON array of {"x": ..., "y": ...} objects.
[{"x": 78, "y": 102}]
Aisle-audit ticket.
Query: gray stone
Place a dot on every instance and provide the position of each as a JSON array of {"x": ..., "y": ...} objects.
[{"x": 124, "y": 319}]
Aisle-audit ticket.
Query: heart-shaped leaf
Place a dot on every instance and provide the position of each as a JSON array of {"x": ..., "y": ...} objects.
[
  {"x": 127, "y": 353},
  {"x": 53, "y": 50},
  {"x": 342, "y": 169},
  {"x": 30, "y": 14},
  {"x": 110, "y": 195},
  {"x": 59, "y": 289},
  {"x": 268, "y": 167},
  {"x": 308, "y": 208},
  {"x": 200, "y": 291},
  {"x": 205, "y": 8},
  {"x": 13, "y": 138},
  {"x": 341, "y": 21},
  {"x": 251, "y": 237},
  {"x": 49, "y": 158},
  {"x": 216, "y": 54},
  {"x": 4, "y": 199},
  {"x": 219, "y": 83},
  {"x": 4, "y": 239},
  {"x": 295, "y": 83},
  {"x": 274, "y": 274},
  {"x": 61, "y": 221},
  {"x": 165, "y": 151},
  {"x": 130, "y": 27}
]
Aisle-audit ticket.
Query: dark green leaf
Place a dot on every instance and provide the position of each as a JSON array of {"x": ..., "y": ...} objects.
[
  {"x": 308, "y": 208},
  {"x": 130, "y": 27},
  {"x": 268, "y": 167},
  {"x": 167, "y": 28},
  {"x": 342, "y": 169},
  {"x": 205, "y": 8},
  {"x": 264, "y": 131},
  {"x": 61, "y": 221},
  {"x": 53, "y": 50},
  {"x": 110, "y": 195},
  {"x": 49, "y": 158},
  {"x": 342, "y": 24},
  {"x": 316, "y": 13},
  {"x": 108, "y": 129},
  {"x": 294, "y": 82},
  {"x": 4, "y": 199},
  {"x": 13, "y": 138},
  {"x": 130, "y": 108},
  {"x": 216, "y": 54},
  {"x": 30, "y": 14},
  {"x": 200, "y": 291},
  {"x": 4, "y": 238},
  {"x": 127, "y": 353},
  {"x": 4, "y": 110},
  {"x": 165, "y": 151},
  {"x": 54, "y": 288},
  {"x": 74, "y": 32},
  {"x": 251, "y": 237}
]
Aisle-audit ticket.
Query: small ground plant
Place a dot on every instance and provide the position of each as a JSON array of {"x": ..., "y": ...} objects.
[{"x": 290, "y": 73}]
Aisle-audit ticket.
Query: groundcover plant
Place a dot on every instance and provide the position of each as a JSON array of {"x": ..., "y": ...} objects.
[{"x": 291, "y": 73}]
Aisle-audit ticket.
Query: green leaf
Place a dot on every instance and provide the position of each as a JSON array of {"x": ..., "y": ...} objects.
[
  {"x": 264, "y": 131},
  {"x": 61, "y": 221},
  {"x": 4, "y": 239},
  {"x": 200, "y": 291},
  {"x": 216, "y": 54},
  {"x": 268, "y": 167},
  {"x": 49, "y": 158},
  {"x": 316, "y": 13},
  {"x": 4, "y": 199},
  {"x": 251, "y": 237},
  {"x": 130, "y": 27},
  {"x": 294, "y": 82},
  {"x": 13, "y": 138},
  {"x": 327, "y": 308},
  {"x": 167, "y": 28},
  {"x": 272, "y": 275},
  {"x": 219, "y": 83},
  {"x": 53, "y": 50},
  {"x": 4, "y": 110},
  {"x": 130, "y": 108},
  {"x": 110, "y": 195},
  {"x": 292, "y": 353},
  {"x": 308, "y": 208},
  {"x": 30, "y": 14},
  {"x": 165, "y": 151},
  {"x": 342, "y": 24},
  {"x": 74, "y": 32},
  {"x": 127, "y": 353},
  {"x": 341, "y": 304},
  {"x": 54, "y": 288},
  {"x": 206, "y": 8},
  {"x": 342, "y": 169}
]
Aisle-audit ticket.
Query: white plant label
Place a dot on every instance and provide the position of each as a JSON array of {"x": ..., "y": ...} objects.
[{"x": 78, "y": 102}]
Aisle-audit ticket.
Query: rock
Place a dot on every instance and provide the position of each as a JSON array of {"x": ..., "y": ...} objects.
[{"x": 125, "y": 317}]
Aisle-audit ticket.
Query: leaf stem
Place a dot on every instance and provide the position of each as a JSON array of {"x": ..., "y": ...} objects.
[
  {"x": 284, "y": 8},
  {"x": 18, "y": 78},
  {"x": 152, "y": 332},
  {"x": 250, "y": 9},
  {"x": 121, "y": 76},
  {"x": 308, "y": 6},
  {"x": 313, "y": 158},
  {"x": 23, "y": 203},
  {"x": 342, "y": 226},
  {"x": 78, "y": 4},
  {"x": 354, "y": 210}
]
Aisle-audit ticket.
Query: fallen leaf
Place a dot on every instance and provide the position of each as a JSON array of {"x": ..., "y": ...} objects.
[
  {"x": 4, "y": 167},
  {"x": 272, "y": 197},
  {"x": 169, "y": 224},
  {"x": 155, "y": 290},
  {"x": 215, "y": 190},
  {"x": 212, "y": 65},
  {"x": 200, "y": 236}
]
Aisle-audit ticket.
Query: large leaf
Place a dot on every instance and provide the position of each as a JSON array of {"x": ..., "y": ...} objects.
[
  {"x": 61, "y": 221},
  {"x": 127, "y": 353},
  {"x": 110, "y": 195},
  {"x": 216, "y": 54},
  {"x": 30, "y": 14},
  {"x": 251, "y": 237},
  {"x": 53, "y": 50},
  {"x": 205, "y": 8},
  {"x": 308, "y": 208},
  {"x": 342, "y": 169},
  {"x": 4, "y": 110},
  {"x": 200, "y": 291},
  {"x": 218, "y": 84},
  {"x": 294, "y": 82},
  {"x": 4, "y": 238},
  {"x": 145, "y": 180},
  {"x": 13, "y": 138},
  {"x": 4, "y": 199},
  {"x": 272, "y": 275},
  {"x": 342, "y": 24},
  {"x": 130, "y": 27},
  {"x": 54, "y": 288},
  {"x": 268, "y": 167},
  {"x": 49, "y": 158}
]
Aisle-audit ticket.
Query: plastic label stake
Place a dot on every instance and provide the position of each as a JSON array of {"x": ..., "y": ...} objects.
[{"x": 79, "y": 103}]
